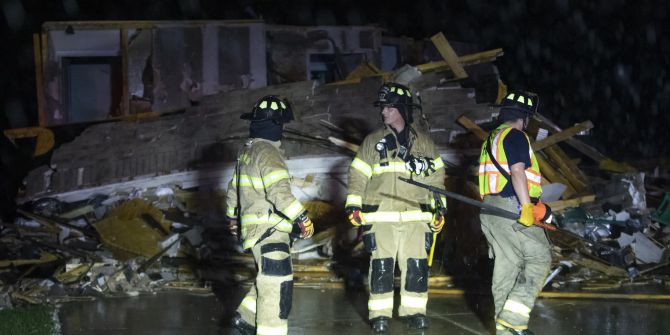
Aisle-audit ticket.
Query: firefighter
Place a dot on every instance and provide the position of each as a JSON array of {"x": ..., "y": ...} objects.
[
  {"x": 398, "y": 219},
  {"x": 259, "y": 196},
  {"x": 509, "y": 178}
]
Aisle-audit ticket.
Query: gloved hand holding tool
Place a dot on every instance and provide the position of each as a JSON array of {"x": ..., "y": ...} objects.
[
  {"x": 355, "y": 216},
  {"x": 305, "y": 226}
]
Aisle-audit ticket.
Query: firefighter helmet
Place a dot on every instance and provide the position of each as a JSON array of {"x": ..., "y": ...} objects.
[
  {"x": 517, "y": 105},
  {"x": 270, "y": 107},
  {"x": 398, "y": 96}
]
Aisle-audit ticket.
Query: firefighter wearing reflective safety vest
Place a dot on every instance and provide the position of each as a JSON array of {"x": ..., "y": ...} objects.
[
  {"x": 259, "y": 196},
  {"x": 509, "y": 178},
  {"x": 398, "y": 219}
]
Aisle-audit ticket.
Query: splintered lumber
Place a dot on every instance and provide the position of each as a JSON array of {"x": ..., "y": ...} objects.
[
  {"x": 476, "y": 58},
  {"x": 563, "y": 204},
  {"x": 44, "y": 138},
  {"x": 365, "y": 69},
  {"x": 562, "y": 135},
  {"x": 45, "y": 257},
  {"x": 472, "y": 127},
  {"x": 566, "y": 168},
  {"x": 553, "y": 175},
  {"x": 575, "y": 143},
  {"x": 471, "y": 59},
  {"x": 344, "y": 144},
  {"x": 449, "y": 55}
]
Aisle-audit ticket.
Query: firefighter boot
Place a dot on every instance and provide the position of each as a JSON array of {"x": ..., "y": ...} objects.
[
  {"x": 242, "y": 326},
  {"x": 380, "y": 324},
  {"x": 416, "y": 321}
]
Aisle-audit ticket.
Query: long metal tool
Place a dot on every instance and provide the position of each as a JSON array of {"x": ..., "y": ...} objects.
[
  {"x": 486, "y": 208},
  {"x": 489, "y": 209}
]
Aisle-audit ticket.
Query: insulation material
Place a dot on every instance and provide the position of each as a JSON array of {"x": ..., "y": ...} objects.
[{"x": 127, "y": 232}]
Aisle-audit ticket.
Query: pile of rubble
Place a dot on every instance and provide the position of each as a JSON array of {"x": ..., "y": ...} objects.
[{"x": 136, "y": 206}]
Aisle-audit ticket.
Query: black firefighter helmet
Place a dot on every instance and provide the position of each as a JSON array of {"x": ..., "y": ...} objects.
[
  {"x": 270, "y": 107},
  {"x": 517, "y": 105},
  {"x": 398, "y": 96}
]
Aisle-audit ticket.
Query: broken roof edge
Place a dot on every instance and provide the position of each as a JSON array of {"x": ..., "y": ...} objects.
[{"x": 217, "y": 176}]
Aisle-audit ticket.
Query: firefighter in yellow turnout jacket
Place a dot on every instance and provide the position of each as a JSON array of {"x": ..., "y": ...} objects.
[
  {"x": 509, "y": 178},
  {"x": 398, "y": 219},
  {"x": 259, "y": 195}
]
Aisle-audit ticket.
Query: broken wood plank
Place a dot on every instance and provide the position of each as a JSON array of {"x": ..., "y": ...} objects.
[
  {"x": 55, "y": 225},
  {"x": 466, "y": 60},
  {"x": 45, "y": 257},
  {"x": 575, "y": 143},
  {"x": 562, "y": 135},
  {"x": 44, "y": 138},
  {"x": 599, "y": 266},
  {"x": 567, "y": 169},
  {"x": 471, "y": 59},
  {"x": 473, "y": 127},
  {"x": 563, "y": 204},
  {"x": 571, "y": 164},
  {"x": 554, "y": 176},
  {"x": 344, "y": 144},
  {"x": 364, "y": 69},
  {"x": 449, "y": 55}
]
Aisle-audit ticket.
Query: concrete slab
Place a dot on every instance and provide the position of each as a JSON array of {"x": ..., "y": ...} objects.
[{"x": 327, "y": 312}]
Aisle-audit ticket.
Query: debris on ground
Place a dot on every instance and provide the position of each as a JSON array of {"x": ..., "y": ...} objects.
[{"x": 153, "y": 218}]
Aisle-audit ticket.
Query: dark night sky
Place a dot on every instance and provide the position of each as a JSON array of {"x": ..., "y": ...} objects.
[{"x": 606, "y": 60}]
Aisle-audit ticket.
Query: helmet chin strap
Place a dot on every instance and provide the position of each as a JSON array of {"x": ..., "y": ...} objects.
[{"x": 525, "y": 121}]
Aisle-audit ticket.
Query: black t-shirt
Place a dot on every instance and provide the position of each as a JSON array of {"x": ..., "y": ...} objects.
[{"x": 516, "y": 150}]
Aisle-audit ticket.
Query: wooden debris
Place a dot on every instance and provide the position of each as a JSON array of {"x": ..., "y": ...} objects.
[
  {"x": 575, "y": 143},
  {"x": 45, "y": 257},
  {"x": 554, "y": 176},
  {"x": 562, "y": 135},
  {"x": 44, "y": 138},
  {"x": 344, "y": 144},
  {"x": 471, "y": 59},
  {"x": 449, "y": 55},
  {"x": 560, "y": 205},
  {"x": 566, "y": 167},
  {"x": 473, "y": 127}
]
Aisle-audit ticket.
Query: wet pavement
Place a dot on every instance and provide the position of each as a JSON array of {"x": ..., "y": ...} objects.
[{"x": 334, "y": 311}]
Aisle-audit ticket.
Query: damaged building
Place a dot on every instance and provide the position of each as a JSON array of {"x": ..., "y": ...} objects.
[{"x": 135, "y": 203}]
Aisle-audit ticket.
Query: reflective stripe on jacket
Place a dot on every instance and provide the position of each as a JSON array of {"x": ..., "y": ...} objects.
[
  {"x": 374, "y": 185},
  {"x": 491, "y": 181},
  {"x": 265, "y": 196}
]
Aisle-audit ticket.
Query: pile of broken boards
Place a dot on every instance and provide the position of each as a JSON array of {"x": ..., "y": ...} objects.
[
  {"x": 147, "y": 240},
  {"x": 107, "y": 244},
  {"x": 613, "y": 219}
]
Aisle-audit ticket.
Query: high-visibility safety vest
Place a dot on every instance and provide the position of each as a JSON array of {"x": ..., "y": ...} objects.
[
  {"x": 491, "y": 181},
  {"x": 374, "y": 185},
  {"x": 264, "y": 188}
]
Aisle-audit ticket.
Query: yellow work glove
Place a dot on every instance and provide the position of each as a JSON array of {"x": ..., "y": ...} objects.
[
  {"x": 355, "y": 217},
  {"x": 306, "y": 226},
  {"x": 437, "y": 223},
  {"x": 527, "y": 217}
]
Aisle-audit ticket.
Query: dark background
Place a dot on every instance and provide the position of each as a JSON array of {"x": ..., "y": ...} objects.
[{"x": 605, "y": 61}]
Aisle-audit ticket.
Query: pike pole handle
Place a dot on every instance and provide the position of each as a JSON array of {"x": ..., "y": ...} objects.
[
  {"x": 520, "y": 227},
  {"x": 432, "y": 250}
]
